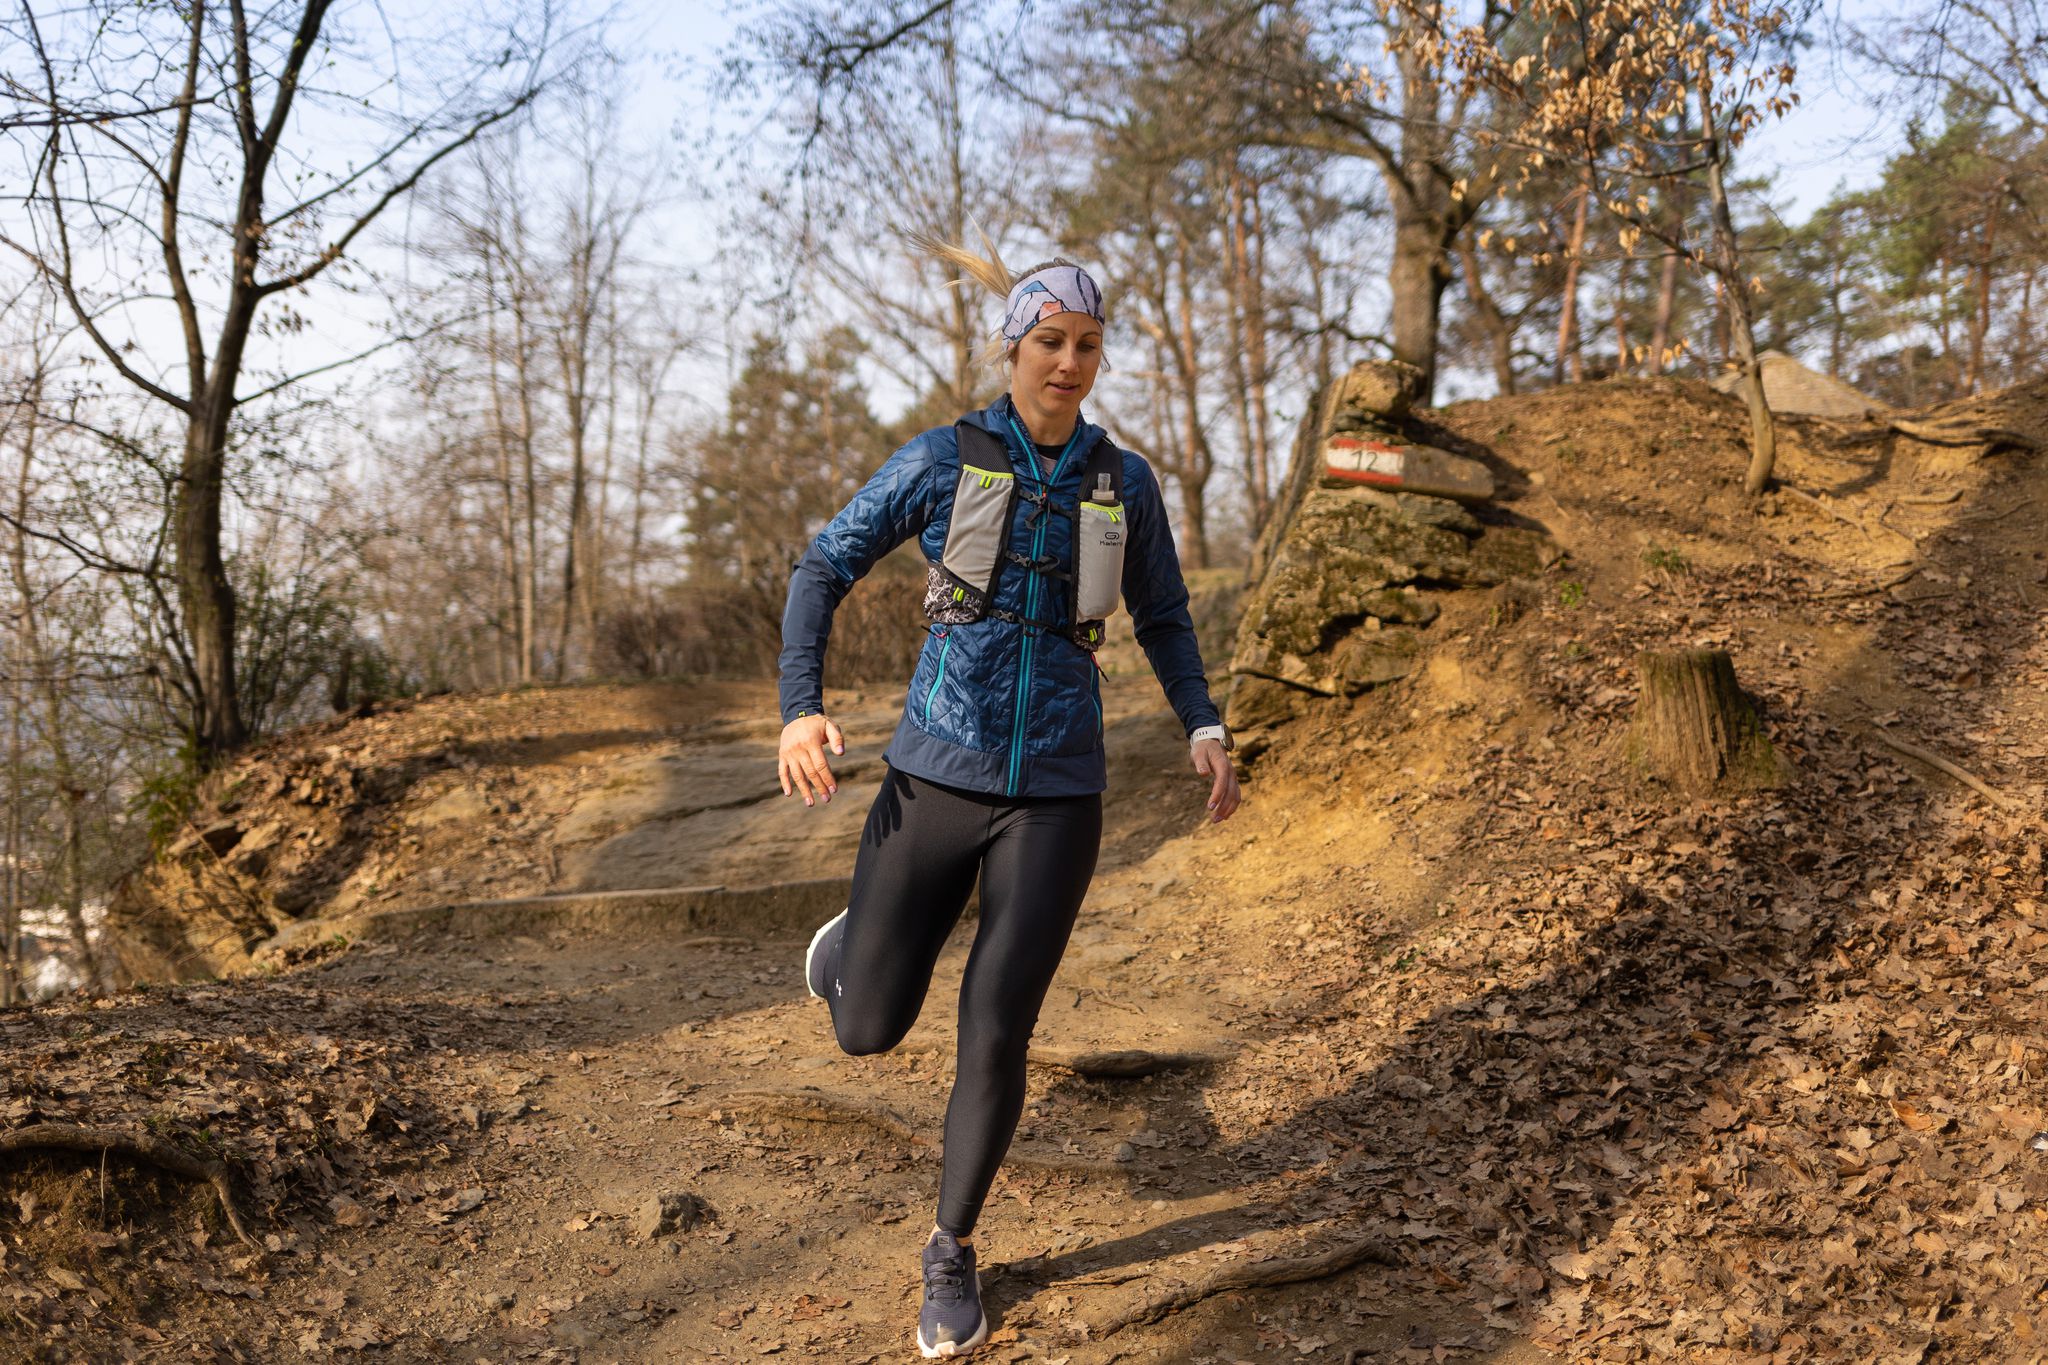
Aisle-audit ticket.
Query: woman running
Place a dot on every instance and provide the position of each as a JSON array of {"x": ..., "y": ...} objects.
[{"x": 1033, "y": 525}]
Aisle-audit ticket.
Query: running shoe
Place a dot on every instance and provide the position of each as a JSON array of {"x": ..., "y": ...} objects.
[
  {"x": 952, "y": 1323},
  {"x": 829, "y": 933}
]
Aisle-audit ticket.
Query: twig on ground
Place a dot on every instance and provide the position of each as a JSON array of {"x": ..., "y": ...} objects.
[
  {"x": 1930, "y": 499},
  {"x": 1959, "y": 773},
  {"x": 71, "y": 1137},
  {"x": 1154, "y": 1304},
  {"x": 1884, "y": 585},
  {"x": 2001, "y": 516}
]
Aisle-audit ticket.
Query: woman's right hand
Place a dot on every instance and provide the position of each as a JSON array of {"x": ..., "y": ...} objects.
[{"x": 801, "y": 761}]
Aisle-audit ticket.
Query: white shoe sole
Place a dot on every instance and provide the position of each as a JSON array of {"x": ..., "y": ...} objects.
[
  {"x": 812, "y": 951},
  {"x": 956, "y": 1348}
]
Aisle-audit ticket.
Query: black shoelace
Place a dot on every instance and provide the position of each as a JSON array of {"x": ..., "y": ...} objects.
[{"x": 943, "y": 1279}]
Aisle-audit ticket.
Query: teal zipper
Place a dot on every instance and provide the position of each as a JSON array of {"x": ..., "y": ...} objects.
[
  {"x": 945, "y": 644},
  {"x": 1031, "y": 597}
]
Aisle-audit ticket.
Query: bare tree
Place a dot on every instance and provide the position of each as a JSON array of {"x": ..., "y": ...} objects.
[
  {"x": 47, "y": 667},
  {"x": 211, "y": 128}
]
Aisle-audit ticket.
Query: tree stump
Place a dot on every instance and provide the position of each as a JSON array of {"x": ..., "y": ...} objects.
[{"x": 1694, "y": 727}]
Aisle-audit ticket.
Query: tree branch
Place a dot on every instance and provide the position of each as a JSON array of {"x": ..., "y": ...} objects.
[{"x": 334, "y": 250}]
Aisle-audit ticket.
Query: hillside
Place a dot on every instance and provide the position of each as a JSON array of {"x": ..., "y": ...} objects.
[{"x": 1462, "y": 1041}]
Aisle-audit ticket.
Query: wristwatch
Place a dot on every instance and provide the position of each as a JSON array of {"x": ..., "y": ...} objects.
[{"x": 1220, "y": 733}]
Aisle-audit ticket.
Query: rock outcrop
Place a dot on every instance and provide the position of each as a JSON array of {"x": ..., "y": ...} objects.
[{"x": 1350, "y": 577}]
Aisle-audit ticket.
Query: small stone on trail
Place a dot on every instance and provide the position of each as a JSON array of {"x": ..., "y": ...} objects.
[
  {"x": 1126, "y": 1152},
  {"x": 667, "y": 1213}
]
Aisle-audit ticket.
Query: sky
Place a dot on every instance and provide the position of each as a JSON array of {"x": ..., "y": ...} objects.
[{"x": 693, "y": 144}]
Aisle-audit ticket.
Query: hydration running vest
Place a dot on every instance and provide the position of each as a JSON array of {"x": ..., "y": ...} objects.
[{"x": 961, "y": 587}]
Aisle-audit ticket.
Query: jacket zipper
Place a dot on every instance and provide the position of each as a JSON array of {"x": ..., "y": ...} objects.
[
  {"x": 945, "y": 644},
  {"x": 1045, "y": 486}
]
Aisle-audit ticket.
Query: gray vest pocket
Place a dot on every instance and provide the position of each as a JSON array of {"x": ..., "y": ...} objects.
[{"x": 978, "y": 533}]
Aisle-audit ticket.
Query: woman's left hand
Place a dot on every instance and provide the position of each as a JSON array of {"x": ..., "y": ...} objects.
[{"x": 1213, "y": 763}]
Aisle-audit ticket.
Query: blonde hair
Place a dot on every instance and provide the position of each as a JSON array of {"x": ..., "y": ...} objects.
[{"x": 984, "y": 268}]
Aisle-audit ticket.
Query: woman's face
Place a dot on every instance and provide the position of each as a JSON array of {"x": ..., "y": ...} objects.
[{"x": 1052, "y": 370}]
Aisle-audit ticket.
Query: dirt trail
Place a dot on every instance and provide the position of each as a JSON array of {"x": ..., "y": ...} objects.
[
  {"x": 701, "y": 1067},
  {"x": 1550, "y": 1061}
]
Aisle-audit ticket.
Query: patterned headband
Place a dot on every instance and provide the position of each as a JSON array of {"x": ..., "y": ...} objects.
[{"x": 1055, "y": 289}]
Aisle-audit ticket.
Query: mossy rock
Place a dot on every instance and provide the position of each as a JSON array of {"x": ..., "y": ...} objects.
[
  {"x": 1430, "y": 511},
  {"x": 1342, "y": 519}
]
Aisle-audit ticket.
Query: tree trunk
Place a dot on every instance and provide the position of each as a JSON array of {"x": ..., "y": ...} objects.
[
  {"x": 1948, "y": 349},
  {"x": 1194, "y": 515},
  {"x": 1624, "y": 276},
  {"x": 1763, "y": 436},
  {"x": 73, "y": 798},
  {"x": 529, "y": 583},
  {"x": 962, "y": 334},
  {"x": 1427, "y": 220},
  {"x": 205, "y": 597},
  {"x": 1980, "y": 320},
  {"x": 1417, "y": 280},
  {"x": 1500, "y": 333},
  {"x": 508, "y": 495},
  {"x": 1570, "y": 364},
  {"x": 1236, "y": 353},
  {"x": 1694, "y": 728},
  {"x": 1261, "y": 369},
  {"x": 1667, "y": 302},
  {"x": 1318, "y": 282},
  {"x": 11, "y": 988},
  {"x": 41, "y": 662}
]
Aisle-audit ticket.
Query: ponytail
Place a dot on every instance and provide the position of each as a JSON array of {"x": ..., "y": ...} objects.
[{"x": 985, "y": 268}]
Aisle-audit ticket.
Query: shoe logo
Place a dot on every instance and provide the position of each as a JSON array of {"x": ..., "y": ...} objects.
[{"x": 837, "y": 989}]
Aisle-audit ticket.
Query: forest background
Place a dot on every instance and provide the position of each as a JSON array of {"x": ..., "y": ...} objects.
[{"x": 354, "y": 352}]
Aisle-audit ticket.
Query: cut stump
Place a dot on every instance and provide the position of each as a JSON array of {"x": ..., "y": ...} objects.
[{"x": 1696, "y": 729}]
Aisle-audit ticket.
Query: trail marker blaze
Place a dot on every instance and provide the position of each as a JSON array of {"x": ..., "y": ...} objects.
[{"x": 1406, "y": 468}]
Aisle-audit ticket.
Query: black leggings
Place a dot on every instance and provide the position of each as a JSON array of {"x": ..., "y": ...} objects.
[{"x": 919, "y": 855}]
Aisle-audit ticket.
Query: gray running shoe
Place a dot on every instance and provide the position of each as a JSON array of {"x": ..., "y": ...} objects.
[
  {"x": 829, "y": 933},
  {"x": 952, "y": 1323}
]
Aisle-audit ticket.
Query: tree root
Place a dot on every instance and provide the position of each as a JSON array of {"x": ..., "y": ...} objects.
[
  {"x": 70, "y": 1137},
  {"x": 1964, "y": 436},
  {"x": 1153, "y": 1304},
  {"x": 1958, "y": 772},
  {"x": 806, "y": 1106},
  {"x": 1828, "y": 506}
]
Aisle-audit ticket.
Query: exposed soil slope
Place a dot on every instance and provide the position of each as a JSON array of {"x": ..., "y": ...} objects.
[{"x": 1497, "y": 1051}]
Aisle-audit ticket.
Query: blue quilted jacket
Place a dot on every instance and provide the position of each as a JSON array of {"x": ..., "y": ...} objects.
[{"x": 995, "y": 706}]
